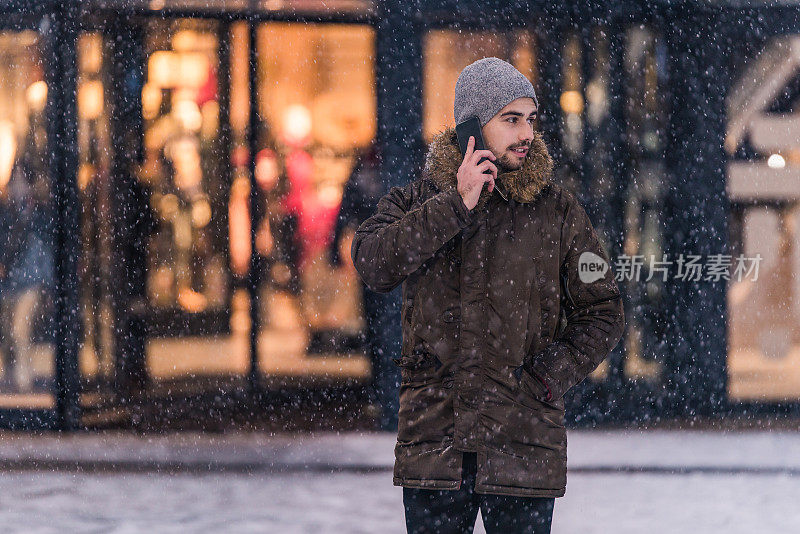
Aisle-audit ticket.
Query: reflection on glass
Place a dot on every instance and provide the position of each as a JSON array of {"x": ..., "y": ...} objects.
[
  {"x": 447, "y": 52},
  {"x": 645, "y": 64},
  {"x": 26, "y": 232},
  {"x": 316, "y": 98}
]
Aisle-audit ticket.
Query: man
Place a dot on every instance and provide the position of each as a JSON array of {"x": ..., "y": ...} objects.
[{"x": 508, "y": 300}]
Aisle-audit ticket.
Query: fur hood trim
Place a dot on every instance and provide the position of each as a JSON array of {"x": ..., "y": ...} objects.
[{"x": 523, "y": 185}]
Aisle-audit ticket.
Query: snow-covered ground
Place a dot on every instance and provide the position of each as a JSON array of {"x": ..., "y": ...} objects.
[
  {"x": 619, "y": 481},
  {"x": 339, "y": 503}
]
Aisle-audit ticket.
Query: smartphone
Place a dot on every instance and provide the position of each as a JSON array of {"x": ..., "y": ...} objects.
[{"x": 472, "y": 127}]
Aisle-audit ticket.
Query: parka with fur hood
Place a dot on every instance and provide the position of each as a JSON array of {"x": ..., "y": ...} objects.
[{"x": 505, "y": 307}]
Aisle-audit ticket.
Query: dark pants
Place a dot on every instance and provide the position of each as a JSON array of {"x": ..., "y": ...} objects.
[{"x": 455, "y": 511}]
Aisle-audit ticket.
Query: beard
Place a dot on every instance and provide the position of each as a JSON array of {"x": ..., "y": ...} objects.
[{"x": 507, "y": 163}]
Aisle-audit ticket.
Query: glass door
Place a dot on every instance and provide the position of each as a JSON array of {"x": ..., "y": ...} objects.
[
  {"x": 194, "y": 318},
  {"x": 27, "y": 253}
]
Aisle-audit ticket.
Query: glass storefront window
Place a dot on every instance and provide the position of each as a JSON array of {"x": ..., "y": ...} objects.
[
  {"x": 197, "y": 323},
  {"x": 96, "y": 361},
  {"x": 184, "y": 169},
  {"x": 26, "y": 232},
  {"x": 600, "y": 180},
  {"x": 645, "y": 66},
  {"x": 317, "y": 105},
  {"x": 764, "y": 168}
]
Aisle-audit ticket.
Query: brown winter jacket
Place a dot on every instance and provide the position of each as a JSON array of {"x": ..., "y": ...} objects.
[{"x": 486, "y": 355}]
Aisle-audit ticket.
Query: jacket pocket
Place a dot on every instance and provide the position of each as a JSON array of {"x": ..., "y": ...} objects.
[
  {"x": 534, "y": 326},
  {"x": 530, "y": 383},
  {"x": 419, "y": 367},
  {"x": 531, "y": 390}
]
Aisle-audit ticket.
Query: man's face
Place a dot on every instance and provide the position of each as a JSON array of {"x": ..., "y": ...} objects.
[{"x": 510, "y": 132}]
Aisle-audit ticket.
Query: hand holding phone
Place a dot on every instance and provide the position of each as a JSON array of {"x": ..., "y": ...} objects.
[{"x": 477, "y": 168}]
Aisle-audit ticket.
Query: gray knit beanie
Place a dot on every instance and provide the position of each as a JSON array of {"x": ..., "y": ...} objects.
[{"x": 487, "y": 86}]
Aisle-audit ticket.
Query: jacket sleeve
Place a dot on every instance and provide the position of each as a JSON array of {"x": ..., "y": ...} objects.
[
  {"x": 396, "y": 240},
  {"x": 594, "y": 311}
]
